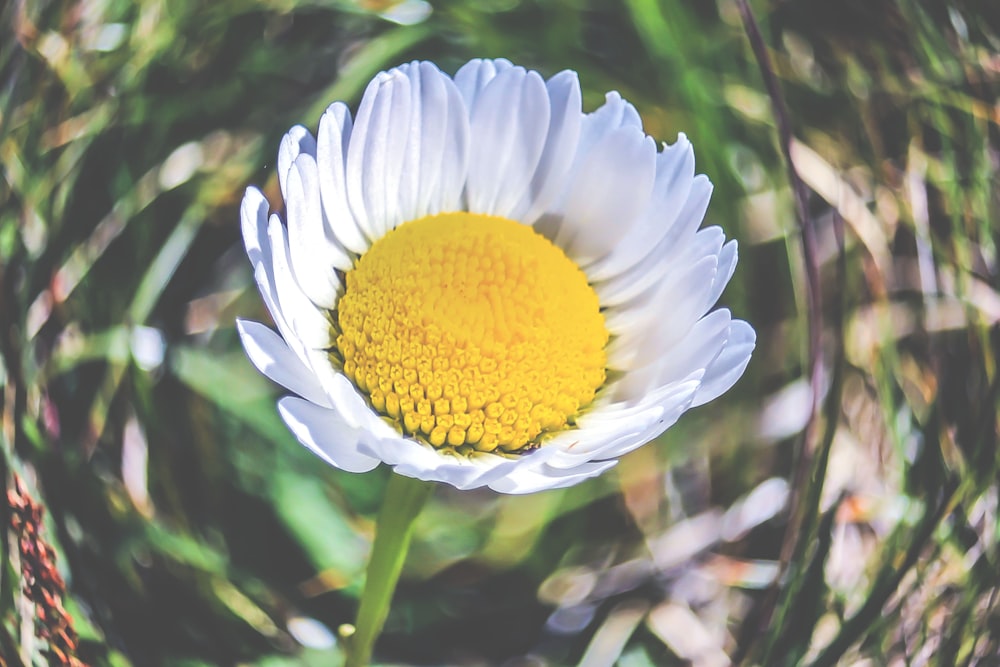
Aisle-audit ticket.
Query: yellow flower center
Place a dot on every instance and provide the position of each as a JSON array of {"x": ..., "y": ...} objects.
[{"x": 471, "y": 331}]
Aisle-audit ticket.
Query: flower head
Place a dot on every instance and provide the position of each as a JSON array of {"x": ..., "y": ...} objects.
[{"x": 476, "y": 283}]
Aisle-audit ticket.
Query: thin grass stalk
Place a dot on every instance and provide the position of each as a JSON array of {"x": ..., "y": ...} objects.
[{"x": 805, "y": 475}]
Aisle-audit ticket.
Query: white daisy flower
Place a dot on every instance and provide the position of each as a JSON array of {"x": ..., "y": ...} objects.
[{"x": 476, "y": 283}]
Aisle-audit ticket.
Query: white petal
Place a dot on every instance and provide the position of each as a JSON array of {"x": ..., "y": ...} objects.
[
  {"x": 665, "y": 270},
  {"x": 253, "y": 218},
  {"x": 663, "y": 359},
  {"x": 614, "y": 114},
  {"x": 374, "y": 156},
  {"x": 684, "y": 296},
  {"x": 497, "y": 469},
  {"x": 352, "y": 407},
  {"x": 592, "y": 442},
  {"x": 677, "y": 236},
  {"x": 325, "y": 434},
  {"x": 560, "y": 148},
  {"x": 680, "y": 296},
  {"x": 673, "y": 400},
  {"x": 692, "y": 213},
  {"x": 697, "y": 302},
  {"x": 728, "y": 367},
  {"x": 437, "y": 154},
  {"x": 629, "y": 425},
  {"x": 421, "y": 461},
  {"x": 331, "y": 156},
  {"x": 272, "y": 357},
  {"x": 727, "y": 267},
  {"x": 493, "y": 467},
  {"x": 462, "y": 476},
  {"x": 413, "y": 455},
  {"x": 674, "y": 178},
  {"x": 475, "y": 74},
  {"x": 345, "y": 399},
  {"x": 677, "y": 406},
  {"x": 315, "y": 257},
  {"x": 526, "y": 480},
  {"x": 679, "y": 247},
  {"x": 664, "y": 263},
  {"x": 253, "y": 224},
  {"x": 307, "y": 322},
  {"x": 296, "y": 141},
  {"x": 508, "y": 127},
  {"x": 611, "y": 187}
]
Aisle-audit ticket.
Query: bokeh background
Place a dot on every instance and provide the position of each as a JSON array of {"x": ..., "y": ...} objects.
[{"x": 839, "y": 506}]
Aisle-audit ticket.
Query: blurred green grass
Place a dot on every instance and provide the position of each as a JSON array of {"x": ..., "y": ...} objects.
[{"x": 192, "y": 530}]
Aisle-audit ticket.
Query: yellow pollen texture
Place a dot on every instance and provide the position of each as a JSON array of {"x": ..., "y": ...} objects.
[{"x": 471, "y": 332}]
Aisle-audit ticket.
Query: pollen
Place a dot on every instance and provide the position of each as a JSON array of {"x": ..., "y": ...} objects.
[{"x": 471, "y": 332}]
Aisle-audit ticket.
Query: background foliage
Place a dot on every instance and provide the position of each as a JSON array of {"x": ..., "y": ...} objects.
[{"x": 854, "y": 524}]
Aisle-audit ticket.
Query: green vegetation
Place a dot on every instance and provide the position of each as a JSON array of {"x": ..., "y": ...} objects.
[{"x": 189, "y": 527}]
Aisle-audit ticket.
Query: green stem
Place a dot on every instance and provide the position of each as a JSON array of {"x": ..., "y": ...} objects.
[{"x": 404, "y": 498}]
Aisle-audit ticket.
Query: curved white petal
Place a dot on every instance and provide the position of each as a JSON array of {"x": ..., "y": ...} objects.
[
  {"x": 689, "y": 283},
  {"x": 473, "y": 76},
  {"x": 674, "y": 178},
  {"x": 667, "y": 418},
  {"x": 325, "y": 434},
  {"x": 662, "y": 359},
  {"x": 375, "y": 153},
  {"x": 673, "y": 242},
  {"x": 660, "y": 265},
  {"x": 728, "y": 367},
  {"x": 561, "y": 141},
  {"x": 437, "y": 154},
  {"x": 307, "y": 323},
  {"x": 611, "y": 187},
  {"x": 546, "y": 478},
  {"x": 625, "y": 426},
  {"x": 679, "y": 296},
  {"x": 253, "y": 217},
  {"x": 272, "y": 357},
  {"x": 509, "y": 123},
  {"x": 697, "y": 302},
  {"x": 353, "y": 409},
  {"x": 420, "y": 461},
  {"x": 253, "y": 225},
  {"x": 596, "y": 441},
  {"x": 296, "y": 141},
  {"x": 674, "y": 238},
  {"x": 315, "y": 257},
  {"x": 727, "y": 267},
  {"x": 331, "y": 156},
  {"x": 613, "y": 115},
  {"x": 692, "y": 212}
]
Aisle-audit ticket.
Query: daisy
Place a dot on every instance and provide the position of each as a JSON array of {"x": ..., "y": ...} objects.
[{"x": 476, "y": 283}]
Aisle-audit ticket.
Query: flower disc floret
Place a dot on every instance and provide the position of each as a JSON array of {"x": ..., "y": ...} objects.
[{"x": 471, "y": 331}]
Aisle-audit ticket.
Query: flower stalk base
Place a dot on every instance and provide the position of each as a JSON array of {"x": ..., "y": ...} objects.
[{"x": 404, "y": 499}]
